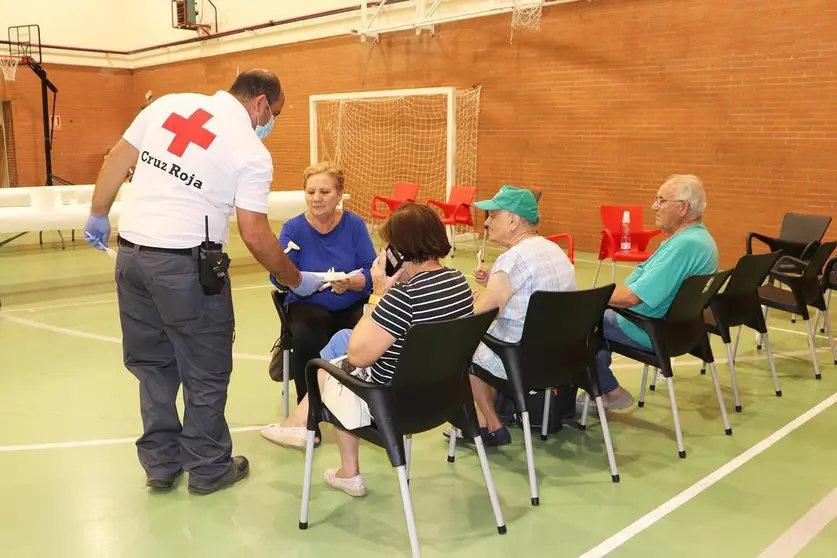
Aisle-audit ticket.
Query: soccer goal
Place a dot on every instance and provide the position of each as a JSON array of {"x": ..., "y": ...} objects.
[{"x": 428, "y": 136}]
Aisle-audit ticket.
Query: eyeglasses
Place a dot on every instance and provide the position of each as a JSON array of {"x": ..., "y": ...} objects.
[{"x": 659, "y": 201}]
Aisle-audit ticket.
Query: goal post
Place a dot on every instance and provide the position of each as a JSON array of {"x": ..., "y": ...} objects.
[{"x": 426, "y": 135}]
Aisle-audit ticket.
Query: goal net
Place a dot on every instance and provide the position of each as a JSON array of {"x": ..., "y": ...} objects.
[{"x": 427, "y": 136}]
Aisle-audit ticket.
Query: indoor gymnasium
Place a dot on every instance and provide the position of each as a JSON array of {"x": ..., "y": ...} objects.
[{"x": 608, "y": 134}]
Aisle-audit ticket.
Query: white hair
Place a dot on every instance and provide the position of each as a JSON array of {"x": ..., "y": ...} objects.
[{"x": 689, "y": 188}]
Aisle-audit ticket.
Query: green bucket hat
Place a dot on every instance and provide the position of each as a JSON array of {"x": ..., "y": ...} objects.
[{"x": 519, "y": 201}]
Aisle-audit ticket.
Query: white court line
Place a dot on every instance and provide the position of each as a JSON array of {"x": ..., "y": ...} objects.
[
  {"x": 666, "y": 508},
  {"x": 801, "y": 533},
  {"x": 90, "y": 443},
  {"x": 109, "y": 301},
  {"x": 104, "y": 338},
  {"x": 795, "y": 332}
]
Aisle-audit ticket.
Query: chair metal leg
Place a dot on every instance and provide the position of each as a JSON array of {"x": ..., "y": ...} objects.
[
  {"x": 767, "y": 348},
  {"x": 653, "y": 386},
  {"x": 546, "y": 401},
  {"x": 731, "y": 362},
  {"x": 678, "y": 433},
  {"x": 530, "y": 458},
  {"x": 809, "y": 327},
  {"x": 596, "y": 276},
  {"x": 452, "y": 447},
  {"x": 641, "y": 402},
  {"x": 703, "y": 368},
  {"x": 827, "y": 324},
  {"x": 453, "y": 240},
  {"x": 286, "y": 382},
  {"x": 408, "y": 446},
  {"x": 306, "y": 481},
  {"x": 723, "y": 407},
  {"x": 61, "y": 236},
  {"x": 764, "y": 310},
  {"x": 408, "y": 510},
  {"x": 489, "y": 484},
  {"x": 819, "y": 314},
  {"x": 737, "y": 339},
  {"x": 611, "y": 458},
  {"x": 585, "y": 408}
]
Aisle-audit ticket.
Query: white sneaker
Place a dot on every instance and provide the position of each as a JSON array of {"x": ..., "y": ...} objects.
[
  {"x": 355, "y": 486},
  {"x": 285, "y": 436}
]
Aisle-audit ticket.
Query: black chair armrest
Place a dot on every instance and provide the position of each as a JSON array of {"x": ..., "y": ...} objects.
[
  {"x": 769, "y": 240},
  {"x": 497, "y": 345},
  {"x": 644, "y": 322},
  {"x": 795, "y": 262},
  {"x": 356, "y": 385},
  {"x": 808, "y": 251},
  {"x": 829, "y": 267}
]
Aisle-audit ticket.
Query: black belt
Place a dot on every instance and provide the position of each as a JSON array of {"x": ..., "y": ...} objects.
[{"x": 128, "y": 244}]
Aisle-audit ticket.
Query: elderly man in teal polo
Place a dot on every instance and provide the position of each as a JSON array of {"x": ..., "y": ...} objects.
[
  {"x": 530, "y": 263},
  {"x": 651, "y": 288}
]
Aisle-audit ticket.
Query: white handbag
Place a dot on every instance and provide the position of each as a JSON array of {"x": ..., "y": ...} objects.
[{"x": 348, "y": 408}]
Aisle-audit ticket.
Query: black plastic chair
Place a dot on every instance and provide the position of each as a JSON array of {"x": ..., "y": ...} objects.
[
  {"x": 829, "y": 279},
  {"x": 286, "y": 341},
  {"x": 806, "y": 289},
  {"x": 681, "y": 331},
  {"x": 739, "y": 305},
  {"x": 430, "y": 387},
  {"x": 799, "y": 237},
  {"x": 561, "y": 336}
]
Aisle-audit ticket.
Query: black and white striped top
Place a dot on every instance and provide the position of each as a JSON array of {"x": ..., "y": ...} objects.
[{"x": 430, "y": 296}]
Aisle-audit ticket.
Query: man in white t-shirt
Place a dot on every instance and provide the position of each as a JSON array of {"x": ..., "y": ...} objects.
[
  {"x": 196, "y": 157},
  {"x": 530, "y": 263}
]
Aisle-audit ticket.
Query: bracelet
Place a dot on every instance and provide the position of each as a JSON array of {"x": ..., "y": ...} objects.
[{"x": 374, "y": 299}]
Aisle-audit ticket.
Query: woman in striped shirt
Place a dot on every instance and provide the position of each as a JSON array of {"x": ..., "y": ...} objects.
[{"x": 423, "y": 290}]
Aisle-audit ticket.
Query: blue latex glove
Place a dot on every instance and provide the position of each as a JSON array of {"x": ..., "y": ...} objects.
[
  {"x": 309, "y": 285},
  {"x": 97, "y": 231}
]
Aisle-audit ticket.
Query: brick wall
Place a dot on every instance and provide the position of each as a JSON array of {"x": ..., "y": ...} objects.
[
  {"x": 95, "y": 107},
  {"x": 601, "y": 106}
]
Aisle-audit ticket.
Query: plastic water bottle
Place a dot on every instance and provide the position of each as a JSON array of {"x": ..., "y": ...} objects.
[{"x": 625, "y": 244}]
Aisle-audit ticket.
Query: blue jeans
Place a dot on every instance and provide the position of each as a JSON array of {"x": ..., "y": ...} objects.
[{"x": 612, "y": 332}]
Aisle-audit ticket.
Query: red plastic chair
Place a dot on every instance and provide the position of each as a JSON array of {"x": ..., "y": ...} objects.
[
  {"x": 570, "y": 244},
  {"x": 457, "y": 211},
  {"x": 403, "y": 192},
  {"x": 612, "y": 234}
]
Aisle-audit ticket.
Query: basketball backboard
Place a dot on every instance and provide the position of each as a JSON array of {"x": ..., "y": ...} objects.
[{"x": 25, "y": 43}]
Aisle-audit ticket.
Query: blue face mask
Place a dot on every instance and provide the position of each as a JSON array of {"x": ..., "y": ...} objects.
[{"x": 263, "y": 131}]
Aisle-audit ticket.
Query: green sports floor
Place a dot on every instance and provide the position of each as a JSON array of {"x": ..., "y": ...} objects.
[{"x": 71, "y": 486}]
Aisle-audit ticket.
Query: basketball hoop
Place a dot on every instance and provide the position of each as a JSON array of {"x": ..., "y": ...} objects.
[
  {"x": 526, "y": 14},
  {"x": 8, "y": 65}
]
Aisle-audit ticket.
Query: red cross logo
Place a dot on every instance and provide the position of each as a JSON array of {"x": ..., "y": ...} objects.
[{"x": 189, "y": 130}]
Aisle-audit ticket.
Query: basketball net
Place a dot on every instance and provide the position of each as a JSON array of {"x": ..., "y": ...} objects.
[
  {"x": 8, "y": 65},
  {"x": 526, "y": 14}
]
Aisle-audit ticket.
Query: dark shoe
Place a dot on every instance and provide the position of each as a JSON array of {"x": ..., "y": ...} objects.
[
  {"x": 163, "y": 485},
  {"x": 239, "y": 469},
  {"x": 499, "y": 437}
]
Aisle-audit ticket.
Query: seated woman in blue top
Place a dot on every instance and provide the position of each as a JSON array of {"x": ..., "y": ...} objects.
[{"x": 322, "y": 238}]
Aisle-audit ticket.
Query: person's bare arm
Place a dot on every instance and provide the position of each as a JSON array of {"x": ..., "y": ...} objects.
[
  {"x": 368, "y": 342},
  {"x": 496, "y": 295},
  {"x": 114, "y": 170},
  {"x": 623, "y": 297},
  {"x": 265, "y": 247}
]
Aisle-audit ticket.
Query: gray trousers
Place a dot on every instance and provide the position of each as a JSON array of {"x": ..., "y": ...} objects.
[{"x": 173, "y": 335}]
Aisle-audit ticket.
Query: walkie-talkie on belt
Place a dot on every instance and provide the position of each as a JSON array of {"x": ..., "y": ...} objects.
[{"x": 214, "y": 264}]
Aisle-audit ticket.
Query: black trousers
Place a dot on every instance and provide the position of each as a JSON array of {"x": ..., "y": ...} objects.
[
  {"x": 174, "y": 336},
  {"x": 312, "y": 326}
]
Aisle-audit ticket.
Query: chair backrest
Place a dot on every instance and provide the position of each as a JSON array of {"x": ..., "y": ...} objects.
[
  {"x": 406, "y": 191},
  {"x": 612, "y": 217},
  {"x": 818, "y": 260},
  {"x": 683, "y": 329},
  {"x": 431, "y": 376},
  {"x": 559, "y": 335},
  {"x": 809, "y": 287},
  {"x": 750, "y": 272},
  {"x": 797, "y": 227},
  {"x": 462, "y": 195}
]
